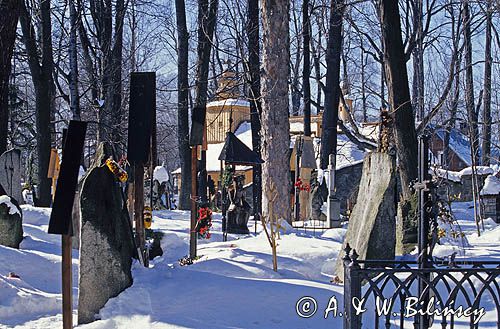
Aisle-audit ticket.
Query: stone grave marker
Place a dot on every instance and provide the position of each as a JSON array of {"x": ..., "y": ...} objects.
[
  {"x": 11, "y": 224},
  {"x": 10, "y": 174},
  {"x": 372, "y": 226},
  {"x": 106, "y": 246}
]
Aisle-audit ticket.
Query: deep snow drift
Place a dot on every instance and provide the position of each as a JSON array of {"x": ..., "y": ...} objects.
[{"x": 231, "y": 286}]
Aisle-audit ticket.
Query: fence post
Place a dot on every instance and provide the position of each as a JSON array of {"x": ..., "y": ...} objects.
[{"x": 352, "y": 289}]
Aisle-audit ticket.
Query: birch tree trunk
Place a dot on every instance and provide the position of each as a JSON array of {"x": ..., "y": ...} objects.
[
  {"x": 275, "y": 127},
  {"x": 8, "y": 23}
]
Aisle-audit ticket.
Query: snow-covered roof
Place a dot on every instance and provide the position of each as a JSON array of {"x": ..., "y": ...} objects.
[
  {"x": 480, "y": 170},
  {"x": 460, "y": 145},
  {"x": 491, "y": 186},
  {"x": 446, "y": 174},
  {"x": 456, "y": 176},
  {"x": 348, "y": 153},
  {"x": 243, "y": 132},
  {"x": 229, "y": 102}
]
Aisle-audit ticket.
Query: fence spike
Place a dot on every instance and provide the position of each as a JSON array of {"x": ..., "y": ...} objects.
[{"x": 347, "y": 250}]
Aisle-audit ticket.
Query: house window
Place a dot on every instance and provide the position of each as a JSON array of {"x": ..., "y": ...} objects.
[{"x": 441, "y": 159}]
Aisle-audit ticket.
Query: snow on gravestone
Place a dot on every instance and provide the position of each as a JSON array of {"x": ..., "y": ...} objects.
[
  {"x": 10, "y": 174},
  {"x": 372, "y": 226},
  {"x": 106, "y": 246},
  {"x": 11, "y": 224}
]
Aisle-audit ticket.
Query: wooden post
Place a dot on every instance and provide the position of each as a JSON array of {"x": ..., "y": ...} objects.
[
  {"x": 60, "y": 217},
  {"x": 67, "y": 291},
  {"x": 192, "y": 233},
  {"x": 139, "y": 211}
]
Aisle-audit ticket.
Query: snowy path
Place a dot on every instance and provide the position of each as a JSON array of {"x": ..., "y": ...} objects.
[{"x": 231, "y": 286}]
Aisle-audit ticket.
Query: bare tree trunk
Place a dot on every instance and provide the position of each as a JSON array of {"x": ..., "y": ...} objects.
[
  {"x": 486, "y": 140},
  {"x": 255, "y": 103},
  {"x": 455, "y": 33},
  {"x": 418, "y": 60},
  {"x": 115, "y": 92},
  {"x": 274, "y": 82},
  {"x": 101, "y": 11},
  {"x": 206, "y": 25},
  {"x": 306, "y": 72},
  {"x": 207, "y": 15},
  {"x": 41, "y": 69},
  {"x": 382, "y": 84},
  {"x": 73, "y": 63},
  {"x": 399, "y": 94},
  {"x": 317, "y": 67},
  {"x": 332, "y": 90},
  {"x": 183, "y": 105},
  {"x": 8, "y": 23},
  {"x": 469, "y": 85},
  {"x": 363, "y": 87}
]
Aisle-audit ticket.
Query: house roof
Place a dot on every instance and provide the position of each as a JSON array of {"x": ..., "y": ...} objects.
[{"x": 460, "y": 145}]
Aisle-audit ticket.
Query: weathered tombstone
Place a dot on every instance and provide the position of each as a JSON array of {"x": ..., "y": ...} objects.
[
  {"x": 106, "y": 246},
  {"x": 372, "y": 226},
  {"x": 160, "y": 181},
  {"x": 10, "y": 174},
  {"x": 11, "y": 224},
  {"x": 239, "y": 209},
  {"x": 319, "y": 194}
]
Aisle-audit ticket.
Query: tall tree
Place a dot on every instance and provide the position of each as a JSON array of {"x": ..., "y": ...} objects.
[
  {"x": 486, "y": 140},
  {"x": 332, "y": 90},
  {"x": 274, "y": 88},
  {"x": 115, "y": 88},
  {"x": 306, "y": 71},
  {"x": 255, "y": 103},
  {"x": 399, "y": 94},
  {"x": 183, "y": 104},
  {"x": 74, "y": 95},
  {"x": 472, "y": 116},
  {"x": 107, "y": 53},
  {"x": 418, "y": 59},
  {"x": 207, "y": 16},
  {"x": 8, "y": 23},
  {"x": 40, "y": 61}
]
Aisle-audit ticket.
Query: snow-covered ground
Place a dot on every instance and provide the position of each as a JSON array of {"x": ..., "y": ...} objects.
[{"x": 231, "y": 286}]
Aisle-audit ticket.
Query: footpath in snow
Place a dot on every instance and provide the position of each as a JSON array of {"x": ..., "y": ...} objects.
[{"x": 232, "y": 285}]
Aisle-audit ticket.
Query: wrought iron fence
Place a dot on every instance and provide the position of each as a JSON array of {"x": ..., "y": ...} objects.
[{"x": 385, "y": 294}]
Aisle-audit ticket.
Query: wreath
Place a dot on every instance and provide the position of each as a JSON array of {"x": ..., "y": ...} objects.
[
  {"x": 204, "y": 222},
  {"x": 301, "y": 186}
]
